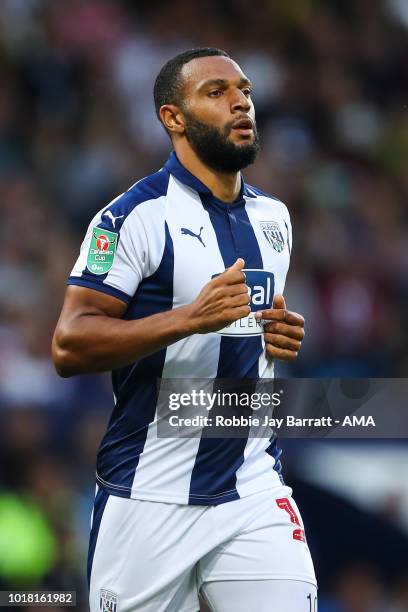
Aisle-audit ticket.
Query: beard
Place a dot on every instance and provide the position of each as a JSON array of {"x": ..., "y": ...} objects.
[{"x": 215, "y": 150}]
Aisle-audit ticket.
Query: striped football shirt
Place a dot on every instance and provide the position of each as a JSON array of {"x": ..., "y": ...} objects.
[{"x": 154, "y": 247}]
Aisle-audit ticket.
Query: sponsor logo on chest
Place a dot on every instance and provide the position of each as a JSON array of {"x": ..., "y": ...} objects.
[{"x": 261, "y": 287}]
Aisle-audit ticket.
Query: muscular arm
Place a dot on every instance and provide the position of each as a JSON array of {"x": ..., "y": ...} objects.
[{"x": 91, "y": 336}]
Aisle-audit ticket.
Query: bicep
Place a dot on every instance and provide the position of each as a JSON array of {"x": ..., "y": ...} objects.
[
  {"x": 81, "y": 301},
  {"x": 81, "y": 327}
]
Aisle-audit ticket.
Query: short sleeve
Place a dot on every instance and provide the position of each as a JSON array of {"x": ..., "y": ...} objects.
[
  {"x": 288, "y": 229},
  {"x": 113, "y": 257}
]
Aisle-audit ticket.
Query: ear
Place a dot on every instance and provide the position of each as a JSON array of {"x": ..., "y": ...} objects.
[{"x": 172, "y": 118}]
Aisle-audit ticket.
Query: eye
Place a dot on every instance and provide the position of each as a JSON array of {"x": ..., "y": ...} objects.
[
  {"x": 247, "y": 91},
  {"x": 215, "y": 93}
]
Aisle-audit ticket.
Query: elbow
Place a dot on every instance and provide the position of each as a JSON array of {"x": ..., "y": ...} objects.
[
  {"x": 62, "y": 364},
  {"x": 62, "y": 357}
]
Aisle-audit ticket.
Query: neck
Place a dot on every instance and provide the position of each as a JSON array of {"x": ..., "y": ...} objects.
[{"x": 224, "y": 185}]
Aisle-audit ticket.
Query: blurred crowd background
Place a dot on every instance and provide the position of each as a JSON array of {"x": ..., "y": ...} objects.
[{"x": 77, "y": 127}]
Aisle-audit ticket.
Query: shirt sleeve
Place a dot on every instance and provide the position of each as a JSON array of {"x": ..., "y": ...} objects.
[
  {"x": 288, "y": 229},
  {"x": 113, "y": 257}
]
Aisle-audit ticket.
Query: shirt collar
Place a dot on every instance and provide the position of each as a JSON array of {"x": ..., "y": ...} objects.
[{"x": 176, "y": 168}]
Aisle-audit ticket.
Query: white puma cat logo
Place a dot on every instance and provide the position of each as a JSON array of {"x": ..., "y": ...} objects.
[{"x": 112, "y": 218}]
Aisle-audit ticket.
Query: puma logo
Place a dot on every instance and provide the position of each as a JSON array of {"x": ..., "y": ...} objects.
[
  {"x": 188, "y": 232},
  {"x": 112, "y": 218}
]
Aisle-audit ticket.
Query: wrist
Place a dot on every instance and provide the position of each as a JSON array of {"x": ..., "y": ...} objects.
[{"x": 189, "y": 322}]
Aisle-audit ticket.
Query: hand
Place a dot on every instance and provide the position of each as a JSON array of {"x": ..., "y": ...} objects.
[
  {"x": 284, "y": 335},
  {"x": 222, "y": 301}
]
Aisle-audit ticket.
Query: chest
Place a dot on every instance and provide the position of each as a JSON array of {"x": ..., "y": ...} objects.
[{"x": 208, "y": 237}]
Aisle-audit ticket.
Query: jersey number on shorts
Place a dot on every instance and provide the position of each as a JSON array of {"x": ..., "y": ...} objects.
[{"x": 284, "y": 504}]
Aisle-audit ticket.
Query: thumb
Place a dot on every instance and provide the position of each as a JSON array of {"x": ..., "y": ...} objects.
[
  {"x": 238, "y": 265},
  {"x": 279, "y": 302}
]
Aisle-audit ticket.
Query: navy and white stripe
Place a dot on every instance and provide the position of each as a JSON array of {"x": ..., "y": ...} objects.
[{"x": 163, "y": 260}]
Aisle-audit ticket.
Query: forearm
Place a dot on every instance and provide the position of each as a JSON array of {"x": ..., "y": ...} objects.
[
  {"x": 98, "y": 343},
  {"x": 92, "y": 336}
]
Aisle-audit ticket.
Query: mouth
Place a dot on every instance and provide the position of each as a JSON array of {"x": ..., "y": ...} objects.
[{"x": 244, "y": 127}]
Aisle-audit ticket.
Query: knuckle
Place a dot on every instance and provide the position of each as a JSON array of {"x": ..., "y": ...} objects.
[
  {"x": 241, "y": 289},
  {"x": 227, "y": 316}
]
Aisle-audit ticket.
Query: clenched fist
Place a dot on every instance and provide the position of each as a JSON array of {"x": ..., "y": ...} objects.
[
  {"x": 221, "y": 301},
  {"x": 285, "y": 332}
]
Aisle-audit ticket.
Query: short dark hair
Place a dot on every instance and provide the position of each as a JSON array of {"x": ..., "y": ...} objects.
[{"x": 168, "y": 86}]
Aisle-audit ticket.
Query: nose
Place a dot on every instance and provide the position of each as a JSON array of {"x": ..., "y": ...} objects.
[{"x": 240, "y": 102}]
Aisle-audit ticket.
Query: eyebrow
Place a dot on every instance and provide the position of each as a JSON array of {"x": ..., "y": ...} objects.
[{"x": 224, "y": 83}]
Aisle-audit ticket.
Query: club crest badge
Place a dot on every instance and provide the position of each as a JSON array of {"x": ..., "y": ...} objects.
[
  {"x": 101, "y": 251},
  {"x": 273, "y": 234},
  {"x": 108, "y": 601}
]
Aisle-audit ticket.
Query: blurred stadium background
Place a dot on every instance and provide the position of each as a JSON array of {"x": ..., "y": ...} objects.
[{"x": 77, "y": 127}]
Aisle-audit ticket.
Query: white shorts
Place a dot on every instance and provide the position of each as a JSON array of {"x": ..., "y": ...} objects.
[{"x": 154, "y": 557}]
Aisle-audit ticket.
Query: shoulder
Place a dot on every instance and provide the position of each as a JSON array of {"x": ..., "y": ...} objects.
[
  {"x": 149, "y": 188},
  {"x": 272, "y": 200},
  {"x": 146, "y": 190},
  {"x": 139, "y": 198},
  {"x": 255, "y": 191}
]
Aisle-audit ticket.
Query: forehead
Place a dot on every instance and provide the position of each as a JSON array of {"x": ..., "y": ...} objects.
[{"x": 202, "y": 69}]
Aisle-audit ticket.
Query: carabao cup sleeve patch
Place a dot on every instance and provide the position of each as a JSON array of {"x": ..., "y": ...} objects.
[{"x": 102, "y": 251}]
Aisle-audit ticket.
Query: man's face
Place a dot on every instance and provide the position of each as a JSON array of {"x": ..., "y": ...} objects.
[{"x": 219, "y": 114}]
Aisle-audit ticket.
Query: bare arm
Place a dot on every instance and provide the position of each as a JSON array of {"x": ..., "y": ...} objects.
[{"x": 91, "y": 336}]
